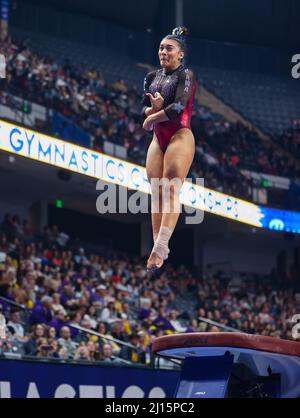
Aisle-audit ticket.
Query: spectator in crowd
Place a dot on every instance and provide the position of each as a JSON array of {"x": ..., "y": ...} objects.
[
  {"x": 108, "y": 353},
  {"x": 31, "y": 346},
  {"x": 51, "y": 333},
  {"x": 82, "y": 352},
  {"x": 59, "y": 321},
  {"x": 175, "y": 323},
  {"x": 15, "y": 326},
  {"x": 66, "y": 342},
  {"x": 42, "y": 311}
]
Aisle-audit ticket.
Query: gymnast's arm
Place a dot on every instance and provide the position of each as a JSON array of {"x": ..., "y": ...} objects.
[
  {"x": 147, "y": 108},
  {"x": 183, "y": 94}
]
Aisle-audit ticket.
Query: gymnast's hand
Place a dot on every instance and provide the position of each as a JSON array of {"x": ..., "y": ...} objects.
[
  {"x": 157, "y": 101},
  {"x": 149, "y": 123},
  {"x": 154, "y": 118}
]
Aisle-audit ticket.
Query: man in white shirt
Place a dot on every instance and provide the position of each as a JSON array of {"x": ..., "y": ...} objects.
[{"x": 15, "y": 324}]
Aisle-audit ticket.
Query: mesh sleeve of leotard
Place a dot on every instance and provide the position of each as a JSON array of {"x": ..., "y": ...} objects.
[
  {"x": 146, "y": 101},
  {"x": 183, "y": 93}
]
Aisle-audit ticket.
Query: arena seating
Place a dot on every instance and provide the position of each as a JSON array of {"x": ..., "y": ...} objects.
[{"x": 48, "y": 283}]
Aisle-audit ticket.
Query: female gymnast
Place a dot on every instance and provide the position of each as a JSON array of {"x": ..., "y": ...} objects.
[{"x": 169, "y": 95}]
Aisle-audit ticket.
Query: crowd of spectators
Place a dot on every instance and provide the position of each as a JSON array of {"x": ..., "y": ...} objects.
[
  {"x": 290, "y": 138},
  {"x": 232, "y": 146},
  {"x": 51, "y": 286},
  {"x": 253, "y": 307},
  {"x": 112, "y": 113},
  {"x": 80, "y": 94}
]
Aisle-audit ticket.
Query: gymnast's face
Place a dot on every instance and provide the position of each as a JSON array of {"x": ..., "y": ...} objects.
[{"x": 169, "y": 54}]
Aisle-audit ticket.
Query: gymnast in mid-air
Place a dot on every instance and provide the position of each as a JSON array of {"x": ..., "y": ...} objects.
[{"x": 169, "y": 95}]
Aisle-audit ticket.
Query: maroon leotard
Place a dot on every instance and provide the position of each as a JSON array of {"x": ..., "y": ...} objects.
[{"x": 178, "y": 89}]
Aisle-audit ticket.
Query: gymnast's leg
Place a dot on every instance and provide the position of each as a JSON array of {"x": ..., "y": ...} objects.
[
  {"x": 154, "y": 168},
  {"x": 176, "y": 164}
]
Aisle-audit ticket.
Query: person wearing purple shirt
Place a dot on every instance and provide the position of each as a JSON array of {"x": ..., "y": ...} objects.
[
  {"x": 193, "y": 326},
  {"x": 59, "y": 321},
  {"x": 144, "y": 313},
  {"x": 67, "y": 293},
  {"x": 42, "y": 311},
  {"x": 162, "y": 321},
  {"x": 99, "y": 295}
]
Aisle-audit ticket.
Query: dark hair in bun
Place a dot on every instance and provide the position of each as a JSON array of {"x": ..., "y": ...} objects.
[{"x": 179, "y": 34}]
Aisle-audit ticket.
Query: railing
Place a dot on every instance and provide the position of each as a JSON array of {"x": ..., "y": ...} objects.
[{"x": 218, "y": 324}]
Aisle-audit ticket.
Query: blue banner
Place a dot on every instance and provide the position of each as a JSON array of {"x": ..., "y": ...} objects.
[
  {"x": 67, "y": 130},
  {"x": 39, "y": 379}
]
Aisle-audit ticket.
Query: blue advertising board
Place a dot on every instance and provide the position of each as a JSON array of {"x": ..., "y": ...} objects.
[{"x": 39, "y": 379}]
